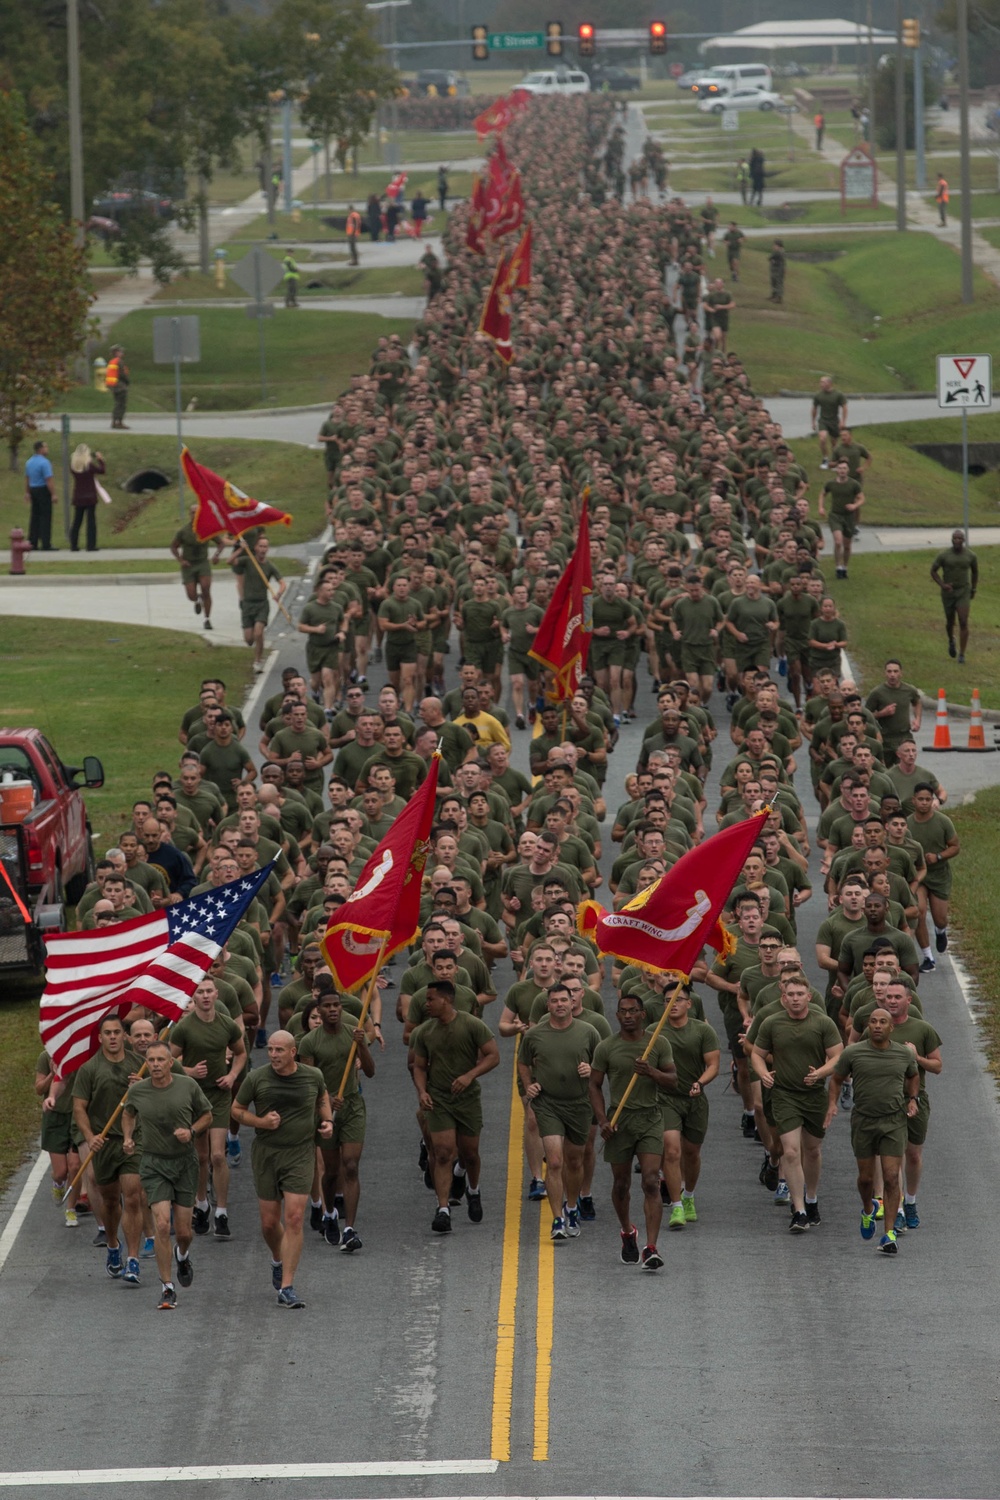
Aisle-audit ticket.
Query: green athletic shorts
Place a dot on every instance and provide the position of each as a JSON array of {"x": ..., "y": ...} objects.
[
  {"x": 697, "y": 659},
  {"x": 254, "y": 614},
  {"x": 349, "y": 1123},
  {"x": 110, "y": 1162},
  {"x": 526, "y": 666},
  {"x": 883, "y": 1135},
  {"x": 606, "y": 653},
  {"x": 937, "y": 881},
  {"x": 486, "y": 655},
  {"x": 318, "y": 657},
  {"x": 282, "y": 1169},
  {"x": 957, "y": 599},
  {"x": 397, "y": 655},
  {"x": 916, "y": 1129},
  {"x": 689, "y": 1116},
  {"x": 846, "y": 525},
  {"x": 221, "y": 1101},
  {"x": 169, "y": 1179},
  {"x": 794, "y": 1109},
  {"x": 458, "y": 1112},
  {"x": 57, "y": 1133},
  {"x": 639, "y": 1133},
  {"x": 571, "y": 1118},
  {"x": 192, "y": 572},
  {"x": 746, "y": 657}
]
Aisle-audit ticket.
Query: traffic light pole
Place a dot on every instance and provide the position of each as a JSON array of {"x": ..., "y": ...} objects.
[
  {"x": 962, "y": 18},
  {"x": 920, "y": 166},
  {"x": 900, "y": 121}
]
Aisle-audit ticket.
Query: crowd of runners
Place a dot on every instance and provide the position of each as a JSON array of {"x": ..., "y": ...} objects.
[{"x": 454, "y": 495}]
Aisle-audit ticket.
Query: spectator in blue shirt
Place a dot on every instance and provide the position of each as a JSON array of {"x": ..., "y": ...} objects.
[{"x": 39, "y": 493}]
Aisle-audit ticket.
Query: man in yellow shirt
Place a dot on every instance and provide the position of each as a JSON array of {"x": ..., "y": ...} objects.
[{"x": 483, "y": 727}]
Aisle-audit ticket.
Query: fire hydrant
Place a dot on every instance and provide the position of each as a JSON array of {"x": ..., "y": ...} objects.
[
  {"x": 100, "y": 370},
  {"x": 19, "y": 549}
]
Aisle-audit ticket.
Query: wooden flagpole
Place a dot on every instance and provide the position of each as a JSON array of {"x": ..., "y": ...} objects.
[
  {"x": 658, "y": 1028},
  {"x": 263, "y": 577},
  {"x": 366, "y": 1006}
]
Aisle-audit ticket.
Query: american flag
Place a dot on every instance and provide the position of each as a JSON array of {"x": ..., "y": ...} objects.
[{"x": 155, "y": 961}]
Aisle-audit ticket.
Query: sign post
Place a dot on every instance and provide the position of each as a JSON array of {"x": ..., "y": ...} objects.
[
  {"x": 258, "y": 273},
  {"x": 177, "y": 341},
  {"x": 858, "y": 178},
  {"x": 965, "y": 381}
]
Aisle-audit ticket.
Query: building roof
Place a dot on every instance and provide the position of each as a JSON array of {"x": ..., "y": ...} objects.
[{"x": 768, "y": 36}]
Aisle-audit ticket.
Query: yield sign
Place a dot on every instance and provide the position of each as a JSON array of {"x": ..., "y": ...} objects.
[{"x": 964, "y": 366}]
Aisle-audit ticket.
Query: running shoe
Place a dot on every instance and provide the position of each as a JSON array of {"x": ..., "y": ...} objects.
[
  {"x": 338, "y": 1198},
  {"x": 277, "y": 1270},
  {"x": 781, "y": 1194},
  {"x": 847, "y": 1095},
  {"x": 652, "y": 1260},
  {"x": 764, "y": 1166},
  {"x": 941, "y": 939},
  {"x": 201, "y": 1221},
  {"x": 289, "y": 1297},
  {"x": 222, "y": 1230},
  {"x": 130, "y": 1275},
  {"x": 260, "y": 1041},
  {"x": 928, "y": 966},
  {"x": 799, "y": 1223},
  {"x": 664, "y": 1192},
  {"x": 83, "y": 1206},
  {"x": 952, "y": 650},
  {"x": 812, "y": 1213},
  {"x": 772, "y": 1175},
  {"x": 911, "y": 1216},
  {"x": 276, "y": 980},
  {"x": 585, "y": 1205},
  {"x": 572, "y": 1222},
  {"x": 474, "y": 1203},
  {"x": 113, "y": 1263},
  {"x": 168, "y": 1299},
  {"x": 900, "y": 1225},
  {"x": 429, "y": 1179},
  {"x": 536, "y": 1190},
  {"x": 71, "y": 1219},
  {"x": 868, "y": 1223},
  {"x": 350, "y": 1242},
  {"x": 630, "y": 1246},
  {"x": 331, "y": 1229},
  {"x": 100, "y": 1238},
  {"x": 690, "y": 1212},
  {"x": 457, "y": 1190},
  {"x": 678, "y": 1218},
  {"x": 519, "y": 722},
  {"x": 879, "y": 1209},
  {"x": 558, "y": 1230},
  {"x": 58, "y": 1188},
  {"x": 185, "y": 1270},
  {"x": 441, "y": 1222},
  {"x": 423, "y": 1160},
  {"x": 148, "y": 1249},
  {"x": 748, "y": 1126},
  {"x": 316, "y": 1217},
  {"x": 887, "y": 1244},
  {"x": 234, "y": 1153}
]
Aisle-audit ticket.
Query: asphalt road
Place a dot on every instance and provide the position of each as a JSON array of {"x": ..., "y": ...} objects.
[{"x": 755, "y": 1364}]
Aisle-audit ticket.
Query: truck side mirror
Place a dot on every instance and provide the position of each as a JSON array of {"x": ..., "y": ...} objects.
[{"x": 93, "y": 772}]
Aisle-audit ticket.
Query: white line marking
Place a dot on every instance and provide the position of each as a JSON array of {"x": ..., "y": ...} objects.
[
  {"x": 35, "y": 1478},
  {"x": 20, "y": 1212}
]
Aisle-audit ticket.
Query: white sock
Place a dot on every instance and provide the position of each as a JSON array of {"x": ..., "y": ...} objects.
[
  {"x": 221, "y": 1213},
  {"x": 473, "y": 1192},
  {"x": 201, "y": 1204},
  {"x": 927, "y": 953},
  {"x": 939, "y": 930},
  {"x": 686, "y": 1194},
  {"x": 909, "y": 1198},
  {"x": 182, "y": 1254},
  {"x": 811, "y": 1200},
  {"x": 231, "y": 1137},
  {"x": 315, "y": 1203}
]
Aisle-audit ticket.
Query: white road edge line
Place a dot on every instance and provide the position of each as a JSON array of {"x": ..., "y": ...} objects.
[
  {"x": 20, "y": 1210},
  {"x": 36, "y": 1478}
]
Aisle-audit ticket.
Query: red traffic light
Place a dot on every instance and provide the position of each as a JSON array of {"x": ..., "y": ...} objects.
[
  {"x": 657, "y": 36},
  {"x": 586, "y": 30},
  {"x": 585, "y": 38}
]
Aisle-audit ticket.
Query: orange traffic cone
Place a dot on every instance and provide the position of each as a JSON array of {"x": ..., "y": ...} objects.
[
  {"x": 977, "y": 735},
  {"x": 942, "y": 734}
]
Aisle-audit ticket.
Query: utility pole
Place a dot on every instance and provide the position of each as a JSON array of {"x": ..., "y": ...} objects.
[
  {"x": 900, "y": 121},
  {"x": 871, "y": 81},
  {"x": 75, "y": 120},
  {"x": 962, "y": 18}
]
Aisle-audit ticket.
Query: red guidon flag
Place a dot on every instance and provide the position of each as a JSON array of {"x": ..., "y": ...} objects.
[
  {"x": 223, "y": 507},
  {"x": 665, "y": 927},
  {"x": 477, "y": 217},
  {"x": 495, "y": 320},
  {"x": 563, "y": 637},
  {"x": 519, "y": 265},
  {"x": 384, "y": 906},
  {"x": 495, "y": 117}
]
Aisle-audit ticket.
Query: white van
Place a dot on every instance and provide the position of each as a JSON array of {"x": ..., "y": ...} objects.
[
  {"x": 561, "y": 81},
  {"x": 743, "y": 75}
]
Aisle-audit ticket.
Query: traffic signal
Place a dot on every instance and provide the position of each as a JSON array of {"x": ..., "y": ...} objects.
[
  {"x": 657, "y": 37},
  {"x": 586, "y": 38},
  {"x": 480, "y": 44},
  {"x": 553, "y": 38},
  {"x": 911, "y": 33}
]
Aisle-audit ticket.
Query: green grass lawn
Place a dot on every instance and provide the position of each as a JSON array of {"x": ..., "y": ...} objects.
[
  {"x": 777, "y": 216},
  {"x": 340, "y": 280},
  {"x": 906, "y": 488},
  {"x": 285, "y": 474},
  {"x": 890, "y": 598},
  {"x": 130, "y": 688},
  {"x": 835, "y": 289},
  {"x": 106, "y": 561},
  {"x": 310, "y": 358},
  {"x": 973, "y": 908},
  {"x": 803, "y": 174}
]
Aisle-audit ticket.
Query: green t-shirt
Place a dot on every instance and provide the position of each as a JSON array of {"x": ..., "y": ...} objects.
[
  {"x": 796, "y": 1046},
  {"x": 396, "y": 611},
  {"x": 295, "y": 1096},
  {"x": 878, "y": 1074},
  {"x": 933, "y": 836},
  {"x": 795, "y": 617},
  {"x": 254, "y": 589},
  {"x": 897, "y": 725},
  {"x": 615, "y": 1058},
  {"x": 828, "y": 404},
  {"x": 102, "y": 1083},
  {"x": 225, "y": 764},
  {"x": 329, "y": 1051},
  {"x": 205, "y": 1041},
  {"x": 751, "y": 616},
  {"x": 956, "y": 568},
  {"x": 330, "y": 616},
  {"x": 517, "y": 621},
  {"x": 450, "y": 1049},
  {"x": 554, "y": 1055},
  {"x": 161, "y": 1111},
  {"x": 64, "y": 1104},
  {"x": 695, "y": 619},
  {"x": 479, "y": 620},
  {"x": 690, "y": 1044},
  {"x": 842, "y": 494},
  {"x": 309, "y": 742}
]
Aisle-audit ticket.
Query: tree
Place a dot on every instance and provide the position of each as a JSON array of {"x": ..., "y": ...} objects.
[{"x": 44, "y": 288}]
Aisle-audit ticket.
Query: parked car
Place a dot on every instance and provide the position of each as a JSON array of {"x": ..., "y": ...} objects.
[
  {"x": 443, "y": 81},
  {"x": 717, "y": 104},
  {"x": 687, "y": 80},
  {"x": 618, "y": 80},
  {"x": 555, "y": 81},
  {"x": 121, "y": 203}
]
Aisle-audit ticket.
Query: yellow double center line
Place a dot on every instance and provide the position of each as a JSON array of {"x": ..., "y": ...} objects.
[{"x": 503, "y": 1371}]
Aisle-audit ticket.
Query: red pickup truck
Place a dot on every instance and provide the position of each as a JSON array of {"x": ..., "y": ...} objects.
[{"x": 45, "y": 839}]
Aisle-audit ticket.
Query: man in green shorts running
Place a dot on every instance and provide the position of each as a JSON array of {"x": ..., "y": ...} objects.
[
  {"x": 695, "y": 623},
  {"x": 937, "y": 836},
  {"x": 191, "y": 552},
  {"x": 846, "y": 499},
  {"x": 256, "y": 601},
  {"x": 212, "y": 1050},
  {"x": 328, "y": 1049},
  {"x": 798, "y": 1040},
  {"x": 886, "y": 1079},
  {"x": 400, "y": 618},
  {"x": 696, "y": 1052},
  {"x": 639, "y": 1131},
  {"x": 98, "y": 1087},
  {"x": 322, "y": 623},
  {"x": 829, "y": 413},
  {"x": 554, "y": 1066},
  {"x": 288, "y": 1100},
  {"x": 173, "y": 1113},
  {"x": 450, "y": 1052},
  {"x": 956, "y": 573}
]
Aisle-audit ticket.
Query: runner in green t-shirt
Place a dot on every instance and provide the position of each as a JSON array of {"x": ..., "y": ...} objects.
[
  {"x": 191, "y": 552},
  {"x": 98, "y": 1087},
  {"x": 329, "y": 1049},
  {"x": 212, "y": 1050},
  {"x": 846, "y": 499},
  {"x": 639, "y": 1129},
  {"x": 956, "y": 573},
  {"x": 936, "y": 835},
  {"x": 829, "y": 411},
  {"x": 255, "y": 599},
  {"x": 696, "y": 1052},
  {"x": 554, "y": 1065}
]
